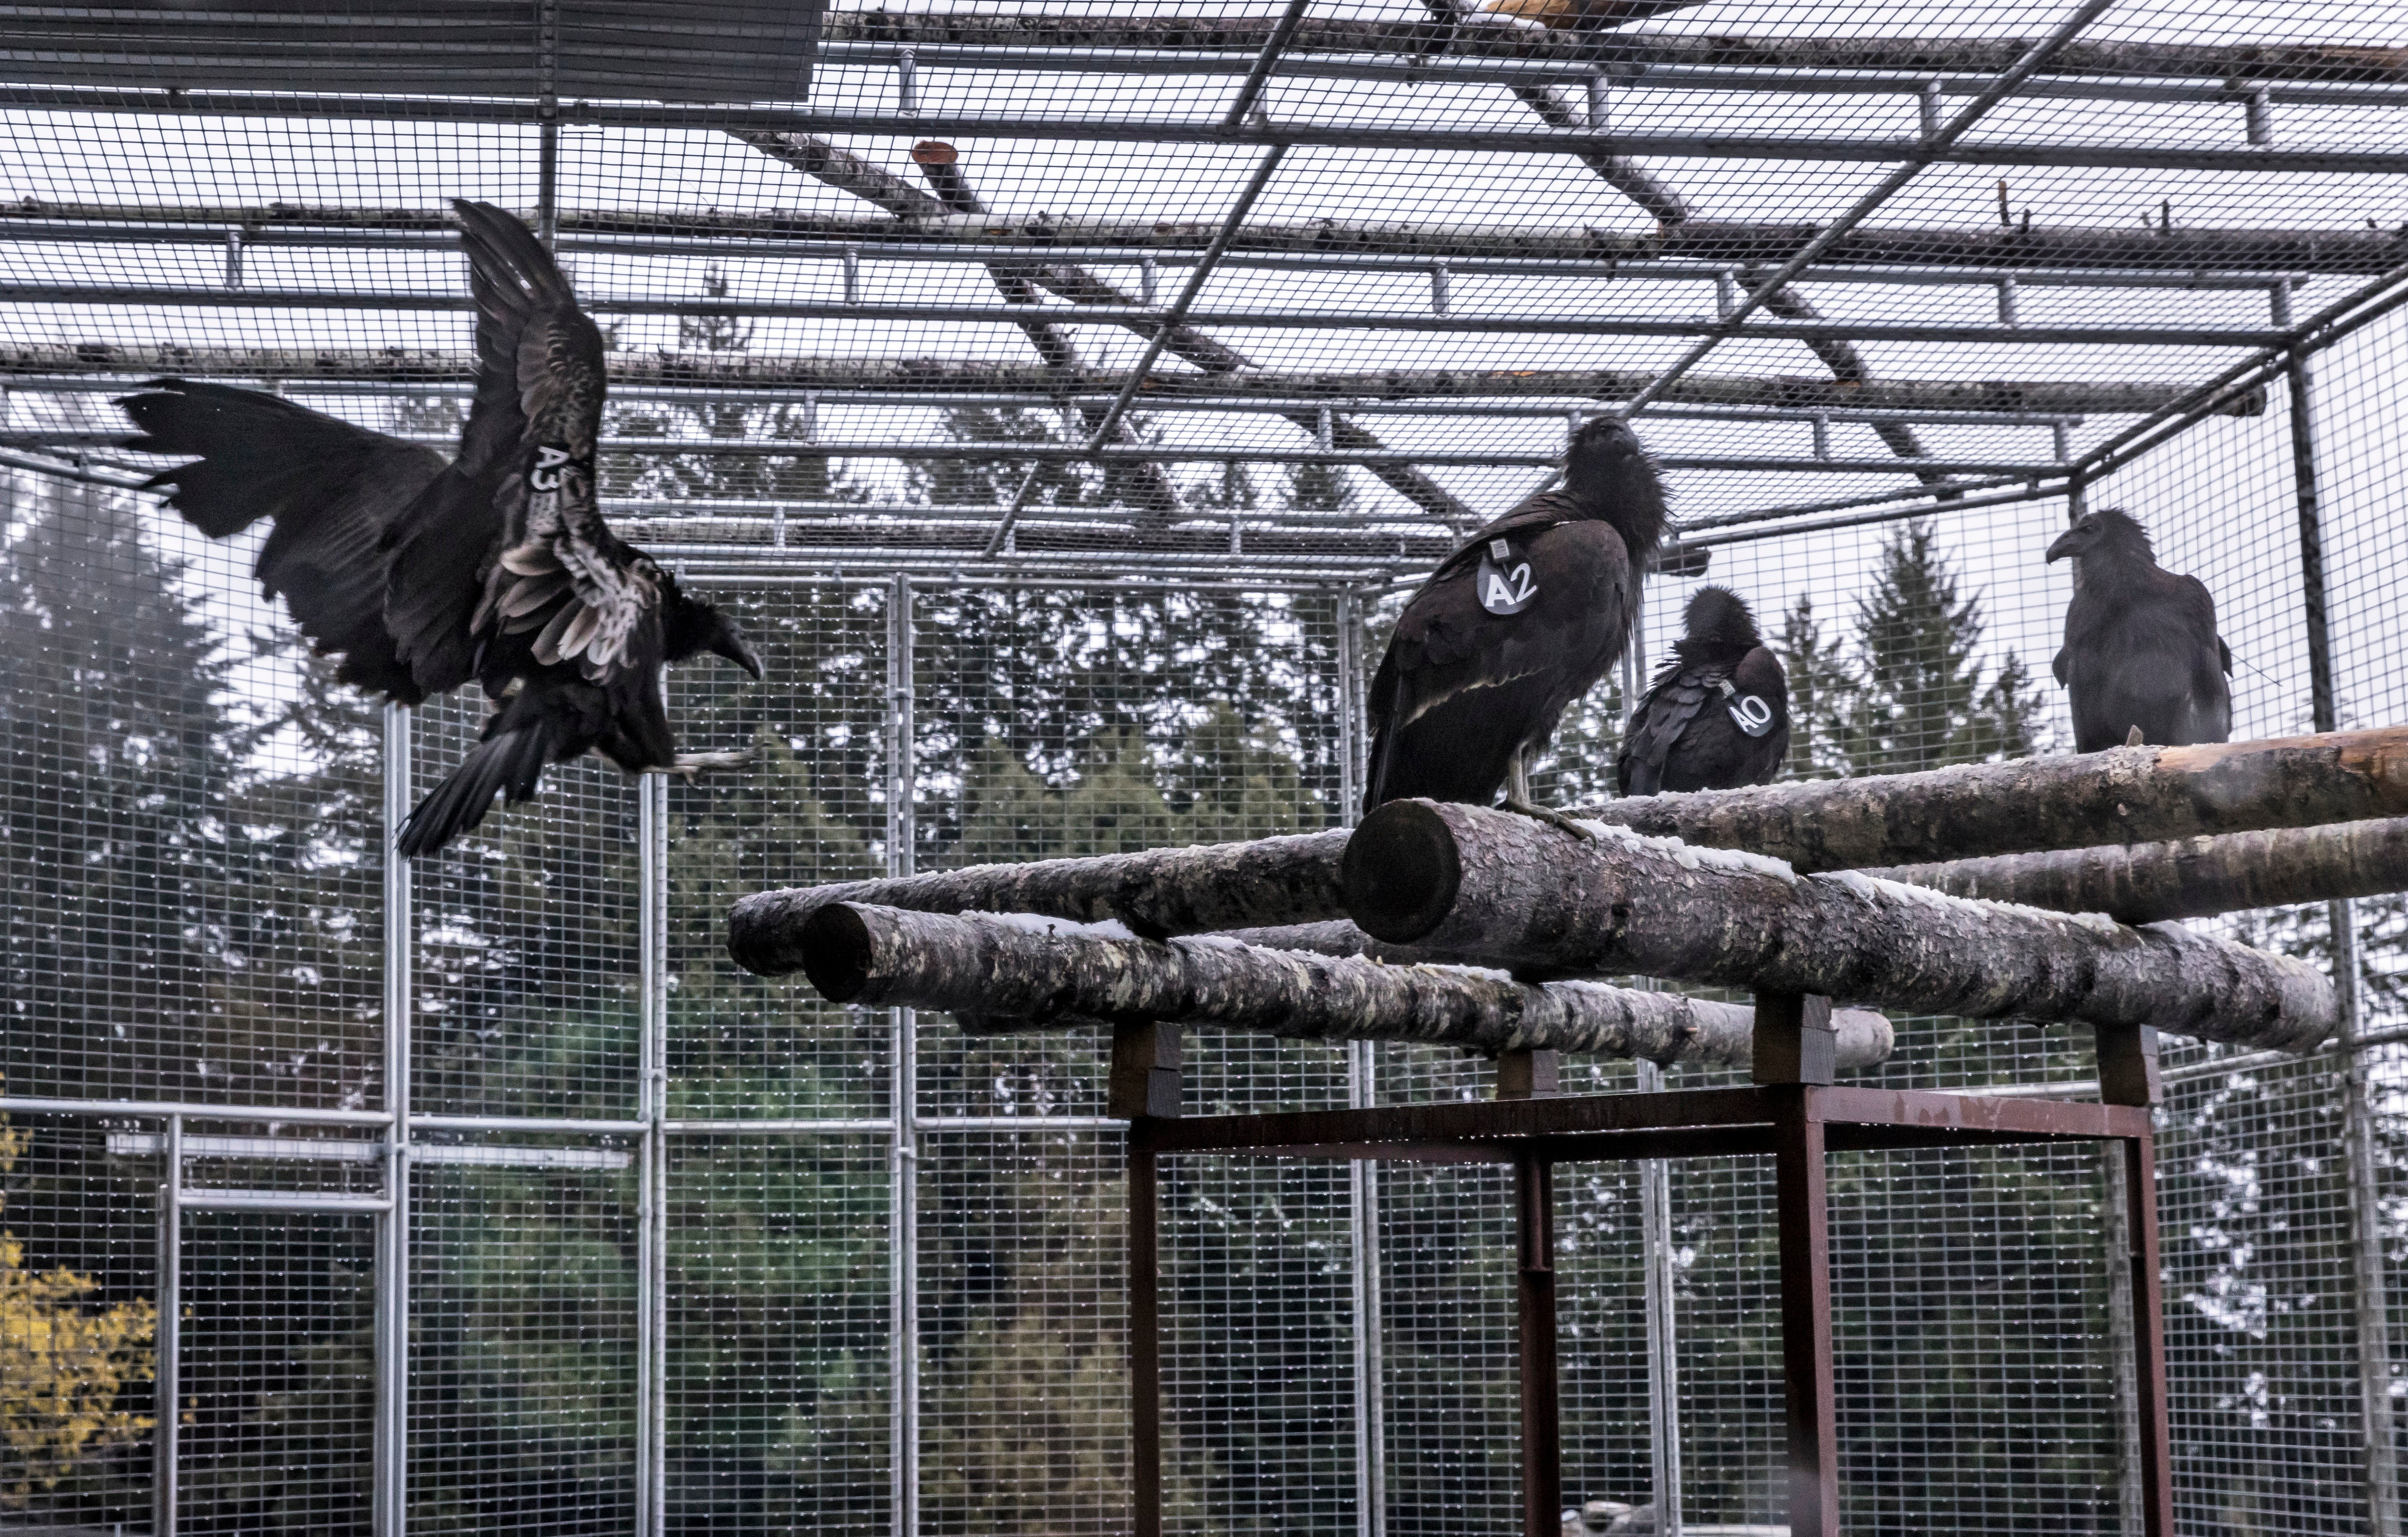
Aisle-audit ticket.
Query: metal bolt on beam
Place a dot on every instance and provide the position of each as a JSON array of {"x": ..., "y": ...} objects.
[
  {"x": 2258, "y": 113},
  {"x": 2278, "y": 300},
  {"x": 1438, "y": 287},
  {"x": 1928, "y": 107},
  {"x": 2007, "y": 294},
  {"x": 907, "y": 81},
  {"x": 1322, "y": 431},
  {"x": 1149, "y": 282},
  {"x": 1822, "y": 436},
  {"x": 2062, "y": 436},
  {"x": 1599, "y": 103},
  {"x": 853, "y": 275},
  {"x": 1726, "y": 294},
  {"x": 234, "y": 259}
]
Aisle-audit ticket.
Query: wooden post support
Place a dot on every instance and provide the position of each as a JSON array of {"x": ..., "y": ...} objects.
[
  {"x": 1796, "y": 1042},
  {"x": 2128, "y": 1064},
  {"x": 1806, "y": 1351},
  {"x": 1524, "y": 1074},
  {"x": 1145, "y": 1071},
  {"x": 1543, "y": 1473}
]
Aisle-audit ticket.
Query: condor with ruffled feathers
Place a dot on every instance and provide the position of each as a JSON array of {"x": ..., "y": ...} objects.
[
  {"x": 496, "y": 566},
  {"x": 1512, "y": 628},
  {"x": 1718, "y": 714},
  {"x": 2141, "y": 662}
]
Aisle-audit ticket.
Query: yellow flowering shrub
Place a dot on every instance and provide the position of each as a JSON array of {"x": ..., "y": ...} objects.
[{"x": 62, "y": 1363}]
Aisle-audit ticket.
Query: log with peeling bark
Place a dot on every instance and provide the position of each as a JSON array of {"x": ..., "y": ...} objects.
[
  {"x": 1158, "y": 892},
  {"x": 919, "y": 218},
  {"x": 739, "y": 371},
  {"x": 2122, "y": 795},
  {"x": 2185, "y": 877},
  {"x": 1009, "y": 971},
  {"x": 1508, "y": 890}
]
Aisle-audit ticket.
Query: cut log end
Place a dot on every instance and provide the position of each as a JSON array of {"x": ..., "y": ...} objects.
[
  {"x": 1401, "y": 871},
  {"x": 836, "y": 947}
]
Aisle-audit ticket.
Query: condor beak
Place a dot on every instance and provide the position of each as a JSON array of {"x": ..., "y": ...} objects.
[
  {"x": 2062, "y": 548},
  {"x": 730, "y": 643}
]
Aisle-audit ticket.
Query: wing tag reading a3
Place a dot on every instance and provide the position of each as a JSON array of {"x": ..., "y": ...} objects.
[
  {"x": 1748, "y": 712},
  {"x": 548, "y": 462},
  {"x": 1505, "y": 585}
]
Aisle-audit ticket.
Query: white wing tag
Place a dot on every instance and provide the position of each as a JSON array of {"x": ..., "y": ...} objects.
[
  {"x": 1748, "y": 712},
  {"x": 1504, "y": 584}
]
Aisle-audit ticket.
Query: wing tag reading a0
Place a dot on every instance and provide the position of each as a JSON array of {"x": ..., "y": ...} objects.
[
  {"x": 1748, "y": 712},
  {"x": 1504, "y": 583}
]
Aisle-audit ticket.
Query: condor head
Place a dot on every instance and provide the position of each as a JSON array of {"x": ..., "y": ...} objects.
[{"x": 690, "y": 626}]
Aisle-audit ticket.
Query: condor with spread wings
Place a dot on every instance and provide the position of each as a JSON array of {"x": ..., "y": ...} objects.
[
  {"x": 496, "y": 566},
  {"x": 1512, "y": 628}
]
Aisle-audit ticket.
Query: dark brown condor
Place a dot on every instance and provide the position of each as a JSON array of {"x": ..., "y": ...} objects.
[
  {"x": 1718, "y": 714},
  {"x": 1512, "y": 628},
  {"x": 2141, "y": 655},
  {"x": 495, "y": 566}
]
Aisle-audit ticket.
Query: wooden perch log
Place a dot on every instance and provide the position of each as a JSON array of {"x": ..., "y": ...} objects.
[
  {"x": 1014, "y": 971},
  {"x": 1158, "y": 893},
  {"x": 739, "y": 371},
  {"x": 1508, "y": 890},
  {"x": 2188, "y": 877},
  {"x": 918, "y": 218},
  {"x": 2122, "y": 795}
]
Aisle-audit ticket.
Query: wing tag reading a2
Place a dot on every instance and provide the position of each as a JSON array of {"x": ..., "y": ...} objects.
[
  {"x": 1504, "y": 584},
  {"x": 1748, "y": 712}
]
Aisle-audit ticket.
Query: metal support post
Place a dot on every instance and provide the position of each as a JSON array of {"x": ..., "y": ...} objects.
[
  {"x": 1144, "y": 1336},
  {"x": 2149, "y": 1337},
  {"x": 651, "y": 1164},
  {"x": 1663, "y": 1341},
  {"x": 1370, "y": 1436},
  {"x": 547, "y": 90},
  {"x": 1362, "y": 1092},
  {"x": 2123, "y": 1341},
  {"x": 903, "y": 1272},
  {"x": 390, "y": 1506},
  {"x": 1542, "y": 1451},
  {"x": 1806, "y": 1350},
  {"x": 169, "y": 1341},
  {"x": 2381, "y": 1475}
]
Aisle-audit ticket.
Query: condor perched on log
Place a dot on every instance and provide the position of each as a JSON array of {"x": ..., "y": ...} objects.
[
  {"x": 2141, "y": 653},
  {"x": 1718, "y": 715},
  {"x": 496, "y": 566},
  {"x": 1513, "y": 627}
]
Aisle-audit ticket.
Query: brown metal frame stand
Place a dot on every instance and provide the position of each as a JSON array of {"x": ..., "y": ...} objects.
[{"x": 1794, "y": 1113}]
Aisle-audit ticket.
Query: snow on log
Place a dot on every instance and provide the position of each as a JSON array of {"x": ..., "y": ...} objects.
[
  {"x": 1506, "y": 890},
  {"x": 1010, "y": 971},
  {"x": 1158, "y": 892},
  {"x": 2187, "y": 877},
  {"x": 2122, "y": 795}
]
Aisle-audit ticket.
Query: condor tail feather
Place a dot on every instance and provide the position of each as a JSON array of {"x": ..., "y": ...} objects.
[{"x": 510, "y": 762}]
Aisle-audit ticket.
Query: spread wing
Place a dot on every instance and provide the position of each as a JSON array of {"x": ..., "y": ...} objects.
[
  {"x": 331, "y": 490},
  {"x": 565, "y": 588}
]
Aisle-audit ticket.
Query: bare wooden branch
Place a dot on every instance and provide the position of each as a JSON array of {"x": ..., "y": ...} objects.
[
  {"x": 2122, "y": 795},
  {"x": 1491, "y": 38},
  {"x": 1159, "y": 892},
  {"x": 1505, "y": 890},
  {"x": 2189, "y": 877},
  {"x": 1014, "y": 972},
  {"x": 920, "y": 220},
  {"x": 739, "y": 371}
]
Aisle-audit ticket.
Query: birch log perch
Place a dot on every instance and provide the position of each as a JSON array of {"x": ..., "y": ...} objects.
[
  {"x": 739, "y": 371},
  {"x": 1511, "y": 891},
  {"x": 2122, "y": 795},
  {"x": 2189, "y": 877},
  {"x": 1158, "y": 893},
  {"x": 1040, "y": 972}
]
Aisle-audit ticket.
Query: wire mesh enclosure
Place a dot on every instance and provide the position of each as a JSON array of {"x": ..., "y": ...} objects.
[{"x": 1066, "y": 399}]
